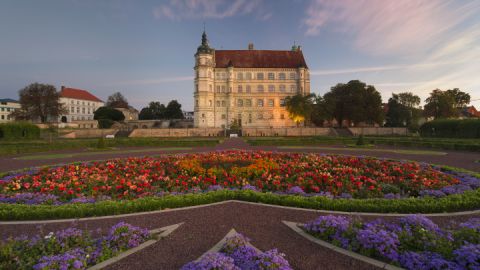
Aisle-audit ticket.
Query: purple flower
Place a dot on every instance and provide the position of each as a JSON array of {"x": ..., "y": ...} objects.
[
  {"x": 473, "y": 223},
  {"x": 331, "y": 228},
  {"x": 425, "y": 261},
  {"x": 210, "y": 261},
  {"x": 30, "y": 198},
  {"x": 296, "y": 190},
  {"x": 378, "y": 237},
  {"x": 215, "y": 188},
  {"x": 249, "y": 187},
  {"x": 468, "y": 256},
  {"x": 391, "y": 196},
  {"x": 272, "y": 259},
  {"x": 412, "y": 222}
]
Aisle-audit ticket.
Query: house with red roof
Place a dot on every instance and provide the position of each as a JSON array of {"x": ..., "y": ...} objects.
[{"x": 80, "y": 104}]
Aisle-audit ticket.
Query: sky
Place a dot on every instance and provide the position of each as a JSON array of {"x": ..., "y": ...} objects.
[{"x": 145, "y": 49}]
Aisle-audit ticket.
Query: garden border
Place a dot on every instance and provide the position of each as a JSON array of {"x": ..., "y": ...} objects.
[
  {"x": 158, "y": 234},
  {"x": 47, "y": 221},
  {"x": 295, "y": 227}
]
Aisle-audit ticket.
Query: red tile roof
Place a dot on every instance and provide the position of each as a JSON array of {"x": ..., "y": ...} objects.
[
  {"x": 78, "y": 94},
  {"x": 259, "y": 59}
]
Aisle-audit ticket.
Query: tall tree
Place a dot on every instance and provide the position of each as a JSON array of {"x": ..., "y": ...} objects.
[
  {"x": 155, "y": 110},
  {"x": 117, "y": 100},
  {"x": 403, "y": 110},
  {"x": 445, "y": 104},
  {"x": 174, "y": 110},
  {"x": 354, "y": 101},
  {"x": 299, "y": 107},
  {"x": 39, "y": 101},
  {"x": 320, "y": 112}
]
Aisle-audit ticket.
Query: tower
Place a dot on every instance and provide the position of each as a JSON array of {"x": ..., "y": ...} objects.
[{"x": 204, "y": 85}]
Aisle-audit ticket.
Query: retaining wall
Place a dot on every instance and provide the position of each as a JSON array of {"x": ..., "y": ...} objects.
[
  {"x": 287, "y": 132},
  {"x": 380, "y": 131},
  {"x": 177, "y": 132}
]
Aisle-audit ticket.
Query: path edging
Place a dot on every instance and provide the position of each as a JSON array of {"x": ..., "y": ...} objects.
[
  {"x": 452, "y": 214},
  {"x": 158, "y": 234},
  {"x": 295, "y": 227}
]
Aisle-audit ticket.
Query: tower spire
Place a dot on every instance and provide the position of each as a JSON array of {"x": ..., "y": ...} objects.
[{"x": 204, "y": 47}]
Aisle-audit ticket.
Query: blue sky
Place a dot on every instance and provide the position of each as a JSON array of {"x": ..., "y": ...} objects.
[{"x": 144, "y": 49}]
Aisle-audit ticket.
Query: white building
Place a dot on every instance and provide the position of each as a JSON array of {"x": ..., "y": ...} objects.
[
  {"x": 188, "y": 115},
  {"x": 247, "y": 87},
  {"x": 80, "y": 104},
  {"x": 7, "y": 106}
]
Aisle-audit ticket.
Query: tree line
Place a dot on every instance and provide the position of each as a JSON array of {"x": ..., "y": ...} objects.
[
  {"x": 41, "y": 102},
  {"x": 356, "y": 102}
]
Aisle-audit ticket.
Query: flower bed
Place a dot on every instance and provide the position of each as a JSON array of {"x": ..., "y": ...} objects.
[
  {"x": 415, "y": 242},
  {"x": 70, "y": 248},
  {"x": 311, "y": 174},
  {"x": 238, "y": 254}
]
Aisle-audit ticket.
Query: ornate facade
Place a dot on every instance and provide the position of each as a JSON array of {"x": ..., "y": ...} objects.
[{"x": 247, "y": 87}]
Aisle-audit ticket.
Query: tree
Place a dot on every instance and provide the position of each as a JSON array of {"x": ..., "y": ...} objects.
[
  {"x": 108, "y": 113},
  {"x": 39, "y": 101},
  {"x": 155, "y": 110},
  {"x": 320, "y": 111},
  {"x": 445, "y": 104},
  {"x": 408, "y": 99},
  {"x": 117, "y": 100},
  {"x": 299, "y": 107},
  {"x": 354, "y": 101},
  {"x": 403, "y": 110},
  {"x": 174, "y": 110}
]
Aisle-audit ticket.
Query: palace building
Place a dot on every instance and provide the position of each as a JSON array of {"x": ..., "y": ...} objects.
[{"x": 247, "y": 87}]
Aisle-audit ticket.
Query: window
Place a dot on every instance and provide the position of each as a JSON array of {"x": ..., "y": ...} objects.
[
  {"x": 3, "y": 117},
  {"x": 224, "y": 116},
  {"x": 210, "y": 87},
  {"x": 196, "y": 87},
  {"x": 224, "y": 103},
  {"x": 292, "y": 76},
  {"x": 223, "y": 88},
  {"x": 8, "y": 109},
  {"x": 203, "y": 115},
  {"x": 260, "y": 102},
  {"x": 78, "y": 109},
  {"x": 271, "y": 88},
  {"x": 210, "y": 103},
  {"x": 260, "y": 116},
  {"x": 271, "y": 103},
  {"x": 271, "y": 76},
  {"x": 259, "y": 76},
  {"x": 218, "y": 88},
  {"x": 282, "y": 116},
  {"x": 248, "y": 89},
  {"x": 83, "y": 110},
  {"x": 249, "y": 118},
  {"x": 71, "y": 102},
  {"x": 260, "y": 88},
  {"x": 248, "y": 102},
  {"x": 218, "y": 103},
  {"x": 196, "y": 102},
  {"x": 282, "y": 103},
  {"x": 282, "y": 88},
  {"x": 224, "y": 75},
  {"x": 240, "y": 103},
  {"x": 281, "y": 76},
  {"x": 3, "y": 109},
  {"x": 249, "y": 76},
  {"x": 239, "y": 89},
  {"x": 293, "y": 88},
  {"x": 239, "y": 76}
]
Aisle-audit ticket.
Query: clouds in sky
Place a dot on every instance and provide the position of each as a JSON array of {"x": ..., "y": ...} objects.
[
  {"x": 389, "y": 26},
  {"x": 209, "y": 9}
]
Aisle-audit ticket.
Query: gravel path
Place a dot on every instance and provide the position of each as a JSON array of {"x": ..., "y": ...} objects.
[{"x": 205, "y": 226}]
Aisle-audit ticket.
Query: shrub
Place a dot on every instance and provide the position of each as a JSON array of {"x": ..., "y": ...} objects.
[
  {"x": 451, "y": 128},
  {"x": 108, "y": 113},
  {"x": 19, "y": 130},
  {"x": 101, "y": 143},
  {"x": 360, "y": 140},
  {"x": 105, "y": 123}
]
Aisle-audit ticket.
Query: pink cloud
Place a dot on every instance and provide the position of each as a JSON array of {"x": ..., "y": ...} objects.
[{"x": 389, "y": 26}]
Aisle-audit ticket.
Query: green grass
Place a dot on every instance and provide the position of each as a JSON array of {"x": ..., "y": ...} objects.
[
  {"x": 96, "y": 152},
  {"x": 36, "y": 146},
  {"x": 397, "y": 151},
  {"x": 405, "y": 141}
]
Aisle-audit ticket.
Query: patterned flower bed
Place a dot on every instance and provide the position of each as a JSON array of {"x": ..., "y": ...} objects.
[
  {"x": 415, "y": 242},
  {"x": 69, "y": 249},
  {"x": 306, "y": 174},
  {"x": 238, "y": 254}
]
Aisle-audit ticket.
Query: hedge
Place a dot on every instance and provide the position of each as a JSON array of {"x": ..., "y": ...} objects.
[
  {"x": 451, "y": 128},
  {"x": 19, "y": 130}
]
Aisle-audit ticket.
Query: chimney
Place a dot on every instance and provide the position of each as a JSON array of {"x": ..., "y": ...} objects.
[
  {"x": 250, "y": 46},
  {"x": 299, "y": 48},
  {"x": 63, "y": 87}
]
